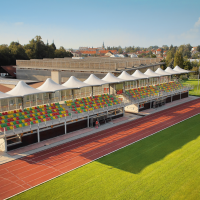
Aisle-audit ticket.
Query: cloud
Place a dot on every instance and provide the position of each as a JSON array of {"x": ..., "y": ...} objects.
[
  {"x": 197, "y": 24},
  {"x": 19, "y": 23}
]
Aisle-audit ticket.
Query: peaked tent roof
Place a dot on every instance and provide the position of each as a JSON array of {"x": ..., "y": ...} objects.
[
  {"x": 94, "y": 81},
  {"x": 111, "y": 78},
  {"x": 4, "y": 95},
  {"x": 162, "y": 72},
  {"x": 152, "y": 74},
  {"x": 22, "y": 89},
  {"x": 124, "y": 75},
  {"x": 50, "y": 85},
  {"x": 178, "y": 69},
  {"x": 73, "y": 83},
  {"x": 171, "y": 71},
  {"x": 139, "y": 74}
]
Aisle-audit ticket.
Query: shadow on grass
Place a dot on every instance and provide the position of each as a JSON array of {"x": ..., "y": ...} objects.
[{"x": 136, "y": 157}]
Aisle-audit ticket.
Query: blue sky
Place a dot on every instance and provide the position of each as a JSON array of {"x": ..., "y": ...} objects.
[{"x": 90, "y": 22}]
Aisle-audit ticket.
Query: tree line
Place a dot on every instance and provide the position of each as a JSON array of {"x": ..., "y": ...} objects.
[
  {"x": 180, "y": 56},
  {"x": 35, "y": 49}
]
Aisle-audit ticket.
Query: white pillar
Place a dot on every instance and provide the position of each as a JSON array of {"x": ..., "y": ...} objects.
[
  {"x": 65, "y": 127},
  {"x": 38, "y": 134},
  {"x": 88, "y": 121}
]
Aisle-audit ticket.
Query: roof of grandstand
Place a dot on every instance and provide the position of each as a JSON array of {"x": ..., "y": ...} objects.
[
  {"x": 50, "y": 85},
  {"x": 152, "y": 74},
  {"x": 124, "y": 75},
  {"x": 162, "y": 72},
  {"x": 177, "y": 68},
  {"x": 95, "y": 81},
  {"x": 73, "y": 83},
  {"x": 22, "y": 89},
  {"x": 139, "y": 74},
  {"x": 111, "y": 78},
  {"x": 171, "y": 71}
]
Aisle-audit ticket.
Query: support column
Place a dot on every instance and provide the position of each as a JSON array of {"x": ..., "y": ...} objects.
[
  {"x": 88, "y": 121},
  {"x": 56, "y": 76},
  {"x": 92, "y": 91},
  {"x": 38, "y": 134},
  {"x": 65, "y": 127},
  {"x": 72, "y": 94}
]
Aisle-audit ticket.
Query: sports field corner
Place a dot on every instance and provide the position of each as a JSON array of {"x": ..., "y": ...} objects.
[{"x": 162, "y": 166}]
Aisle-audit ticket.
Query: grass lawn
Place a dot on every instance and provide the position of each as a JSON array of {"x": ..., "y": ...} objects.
[
  {"x": 163, "y": 166},
  {"x": 193, "y": 82}
]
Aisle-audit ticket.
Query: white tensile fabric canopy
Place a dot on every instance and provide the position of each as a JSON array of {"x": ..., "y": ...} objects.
[
  {"x": 125, "y": 76},
  {"x": 139, "y": 74},
  {"x": 183, "y": 71},
  {"x": 162, "y": 72},
  {"x": 4, "y": 95},
  {"x": 152, "y": 74},
  {"x": 171, "y": 71},
  {"x": 50, "y": 85},
  {"x": 22, "y": 89},
  {"x": 74, "y": 83},
  {"x": 95, "y": 81},
  {"x": 111, "y": 78}
]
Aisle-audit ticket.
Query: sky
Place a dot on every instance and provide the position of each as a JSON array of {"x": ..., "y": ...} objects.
[{"x": 80, "y": 23}]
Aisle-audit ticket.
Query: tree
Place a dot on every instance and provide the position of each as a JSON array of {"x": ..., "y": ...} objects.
[
  {"x": 120, "y": 51},
  {"x": 187, "y": 64},
  {"x": 178, "y": 59},
  {"x": 198, "y": 48},
  {"x": 169, "y": 58},
  {"x": 5, "y": 55},
  {"x": 17, "y": 51},
  {"x": 153, "y": 56},
  {"x": 61, "y": 53}
]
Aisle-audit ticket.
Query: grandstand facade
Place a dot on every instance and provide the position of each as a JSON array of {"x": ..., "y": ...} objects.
[{"x": 29, "y": 115}]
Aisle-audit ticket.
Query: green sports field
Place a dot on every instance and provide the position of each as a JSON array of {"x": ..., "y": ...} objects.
[
  {"x": 196, "y": 90},
  {"x": 163, "y": 166}
]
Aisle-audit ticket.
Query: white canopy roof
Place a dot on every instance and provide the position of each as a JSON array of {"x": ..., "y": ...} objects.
[
  {"x": 111, "y": 78},
  {"x": 177, "y": 68},
  {"x": 50, "y": 85},
  {"x": 94, "y": 81},
  {"x": 171, "y": 71},
  {"x": 124, "y": 75},
  {"x": 4, "y": 95},
  {"x": 22, "y": 89},
  {"x": 139, "y": 74},
  {"x": 152, "y": 74},
  {"x": 73, "y": 83},
  {"x": 162, "y": 72}
]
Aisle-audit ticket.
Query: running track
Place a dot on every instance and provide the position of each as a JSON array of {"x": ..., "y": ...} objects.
[{"x": 22, "y": 174}]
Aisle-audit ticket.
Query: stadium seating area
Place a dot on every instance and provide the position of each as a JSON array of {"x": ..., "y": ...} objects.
[
  {"x": 88, "y": 104},
  {"x": 34, "y": 115},
  {"x": 143, "y": 92},
  {"x": 169, "y": 87}
]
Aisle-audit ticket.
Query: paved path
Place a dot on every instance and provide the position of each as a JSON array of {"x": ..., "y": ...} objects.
[{"x": 24, "y": 173}]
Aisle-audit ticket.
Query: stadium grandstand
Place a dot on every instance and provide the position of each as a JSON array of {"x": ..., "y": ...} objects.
[{"x": 29, "y": 115}]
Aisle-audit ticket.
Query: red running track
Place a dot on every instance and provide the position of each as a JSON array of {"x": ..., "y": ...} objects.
[{"x": 22, "y": 174}]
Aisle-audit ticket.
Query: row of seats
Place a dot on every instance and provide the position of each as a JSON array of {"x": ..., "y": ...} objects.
[
  {"x": 89, "y": 103},
  {"x": 143, "y": 92},
  {"x": 169, "y": 87},
  {"x": 18, "y": 118}
]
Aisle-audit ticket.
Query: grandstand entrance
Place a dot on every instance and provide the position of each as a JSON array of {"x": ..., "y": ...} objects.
[
  {"x": 104, "y": 118},
  {"x": 159, "y": 102}
]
